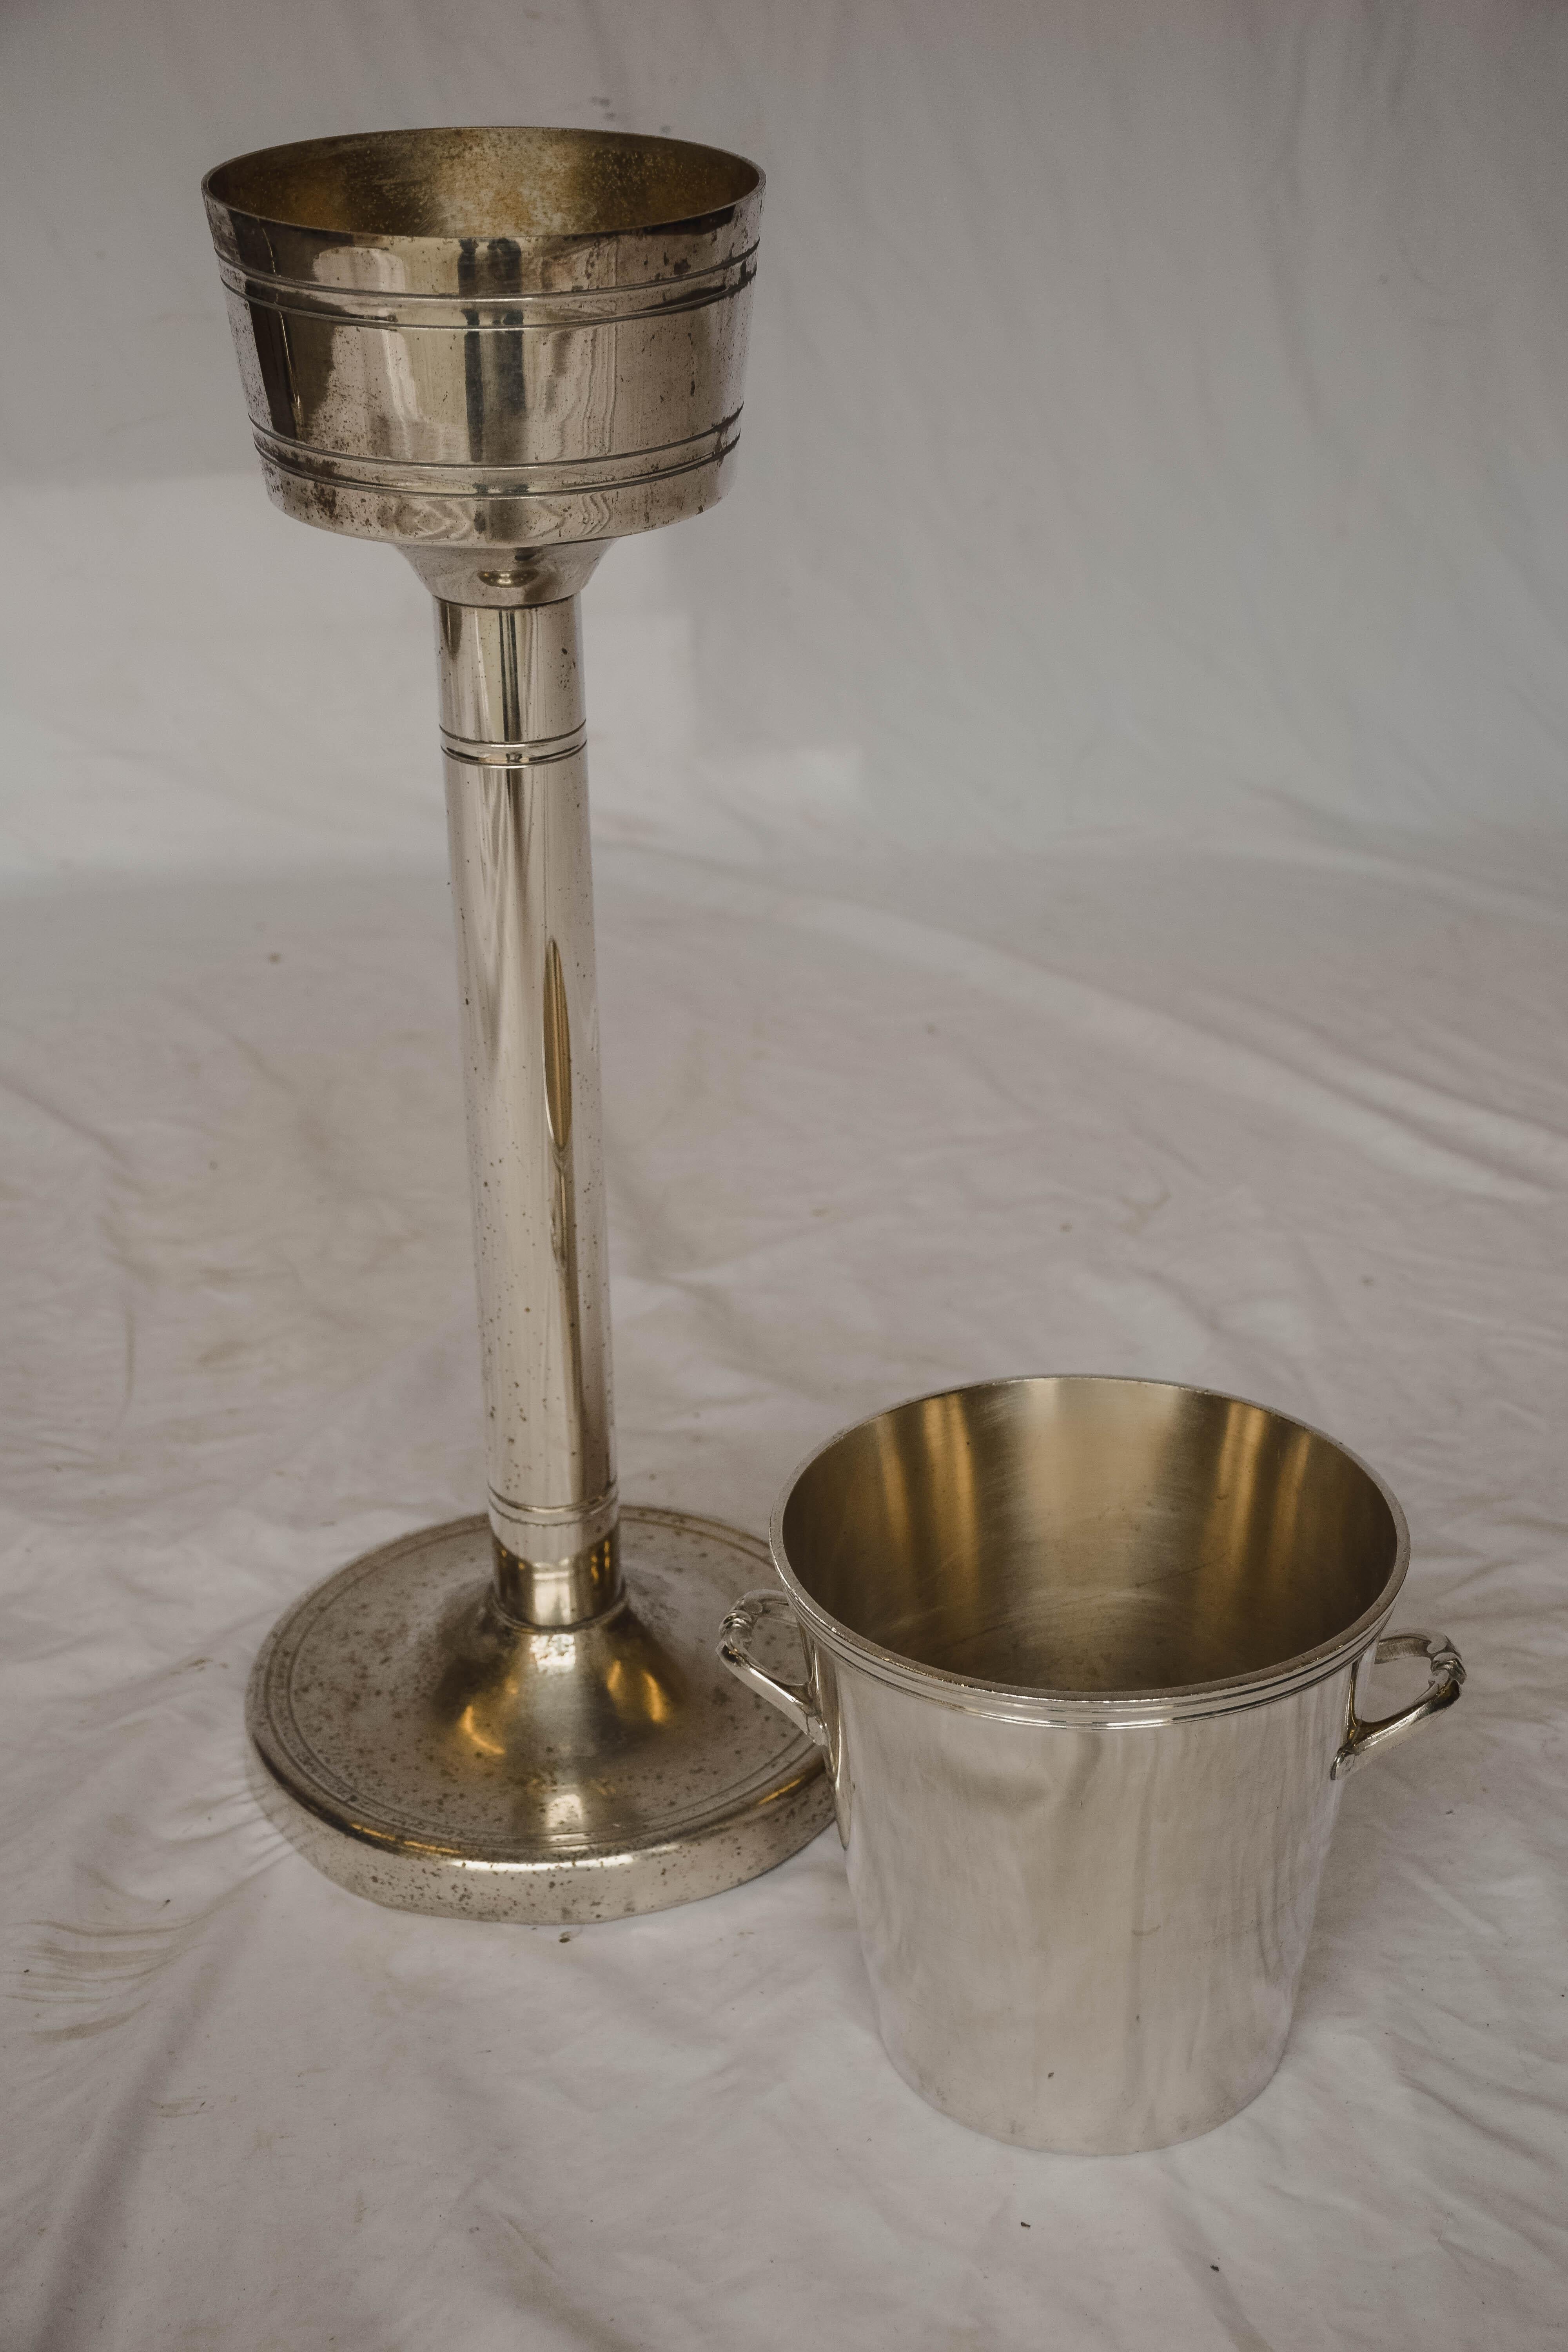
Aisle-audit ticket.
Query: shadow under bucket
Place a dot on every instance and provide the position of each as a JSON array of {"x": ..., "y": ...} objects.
[{"x": 1088, "y": 1658}]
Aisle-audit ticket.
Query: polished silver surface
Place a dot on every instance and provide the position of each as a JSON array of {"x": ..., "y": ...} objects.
[
  {"x": 498, "y": 350},
  {"x": 510, "y": 337},
  {"x": 1089, "y": 1660},
  {"x": 424, "y": 1750},
  {"x": 517, "y": 806},
  {"x": 1364, "y": 1740}
]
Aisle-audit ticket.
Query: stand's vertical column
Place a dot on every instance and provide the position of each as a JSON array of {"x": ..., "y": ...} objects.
[{"x": 517, "y": 804}]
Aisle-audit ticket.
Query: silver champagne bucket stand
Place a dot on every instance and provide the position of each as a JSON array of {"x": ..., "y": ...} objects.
[{"x": 500, "y": 350}]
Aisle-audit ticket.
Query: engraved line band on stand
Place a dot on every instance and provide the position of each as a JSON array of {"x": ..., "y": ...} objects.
[
  {"x": 486, "y": 478},
  {"x": 535, "y": 1526},
  {"x": 493, "y": 312},
  {"x": 513, "y": 755}
]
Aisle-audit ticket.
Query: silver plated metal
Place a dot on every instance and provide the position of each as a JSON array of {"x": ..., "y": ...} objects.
[
  {"x": 498, "y": 350},
  {"x": 489, "y": 338},
  {"x": 1089, "y": 1661},
  {"x": 424, "y": 1749}
]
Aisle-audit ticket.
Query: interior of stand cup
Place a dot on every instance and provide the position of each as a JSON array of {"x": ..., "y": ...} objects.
[
  {"x": 1086, "y": 1535},
  {"x": 484, "y": 184}
]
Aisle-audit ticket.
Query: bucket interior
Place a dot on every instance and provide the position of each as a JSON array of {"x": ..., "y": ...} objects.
[
  {"x": 484, "y": 183},
  {"x": 1086, "y": 1535}
]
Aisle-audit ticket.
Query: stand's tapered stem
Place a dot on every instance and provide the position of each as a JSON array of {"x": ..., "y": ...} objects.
[
  {"x": 493, "y": 1720},
  {"x": 517, "y": 804}
]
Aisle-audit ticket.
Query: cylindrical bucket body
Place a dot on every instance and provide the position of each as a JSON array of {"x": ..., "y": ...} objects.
[
  {"x": 1086, "y": 1940},
  {"x": 571, "y": 372},
  {"x": 1084, "y": 1652}
]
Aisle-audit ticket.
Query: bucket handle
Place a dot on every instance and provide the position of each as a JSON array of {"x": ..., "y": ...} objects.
[
  {"x": 793, "y": 1699},
  {"x": 1367, "y": 1740}
]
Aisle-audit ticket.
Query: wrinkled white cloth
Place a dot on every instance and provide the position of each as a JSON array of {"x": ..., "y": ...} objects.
[{"x": 1081, "y": 858}]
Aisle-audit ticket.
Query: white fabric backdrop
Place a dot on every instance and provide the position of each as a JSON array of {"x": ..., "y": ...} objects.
[{"x": 1081, "y": 844}]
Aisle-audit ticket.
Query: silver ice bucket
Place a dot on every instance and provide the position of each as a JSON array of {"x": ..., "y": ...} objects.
[{"x": 1090, "y": 1659}]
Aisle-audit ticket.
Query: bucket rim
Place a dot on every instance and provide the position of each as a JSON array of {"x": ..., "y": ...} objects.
[{"x": 1139, "y": 1708}]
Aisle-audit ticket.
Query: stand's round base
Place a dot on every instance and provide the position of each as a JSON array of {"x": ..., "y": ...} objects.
[{"x": 422, "y": 1750}]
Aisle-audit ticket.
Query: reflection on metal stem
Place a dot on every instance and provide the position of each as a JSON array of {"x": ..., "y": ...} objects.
[{"x": 517, "y": 798}]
